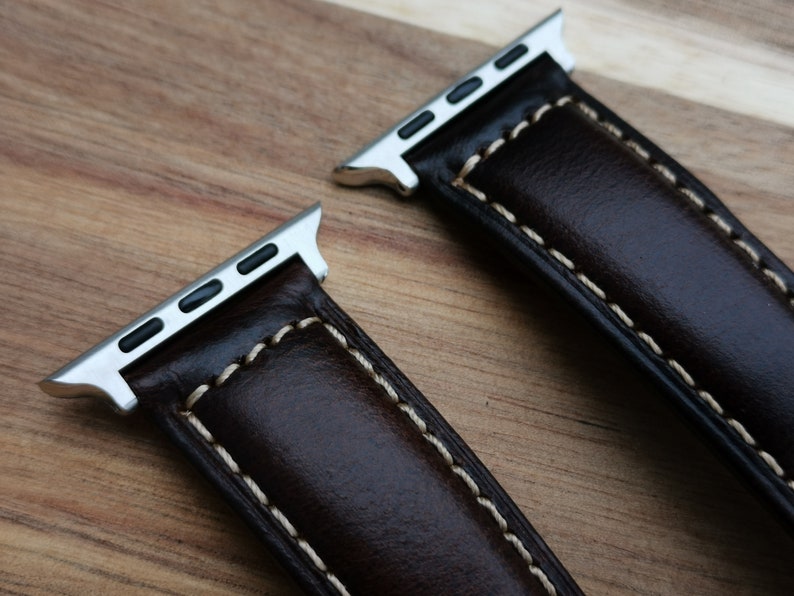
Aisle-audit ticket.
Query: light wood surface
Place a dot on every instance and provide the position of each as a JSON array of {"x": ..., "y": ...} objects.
[
  {"x": 732, "y": 55},
  {"x": 142, "y": 143}
]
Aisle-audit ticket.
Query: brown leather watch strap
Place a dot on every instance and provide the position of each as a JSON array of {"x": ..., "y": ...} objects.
[
  {"x": 578, "y": 197},
  {"x": 339, "y": 464}
]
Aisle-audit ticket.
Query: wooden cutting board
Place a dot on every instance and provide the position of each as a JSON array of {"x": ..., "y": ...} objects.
[{"x": 141, "y": 144}]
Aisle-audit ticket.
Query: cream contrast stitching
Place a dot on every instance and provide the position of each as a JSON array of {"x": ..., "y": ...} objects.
[
  {"x": 668, "y": 175},
  {"x": 661, "y": 169},
  {"x": 257, "y": 492},
  {"x": 263, "y": 499},
  {"x": 404, "y": 407},
  {"x": 690, "y": 194}
]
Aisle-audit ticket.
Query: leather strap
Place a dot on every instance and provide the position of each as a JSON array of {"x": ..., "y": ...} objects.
[
  {"x": 637, "y": 244},
  {"x": 338, "y": 463}
]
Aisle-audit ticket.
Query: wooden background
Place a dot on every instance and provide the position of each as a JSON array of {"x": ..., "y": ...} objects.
[{"x": 141, "y": 143}]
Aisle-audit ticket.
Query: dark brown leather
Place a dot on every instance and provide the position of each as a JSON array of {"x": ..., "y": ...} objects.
[
  {"x": 338, "y": 463},
  {"x": 643, "y": 249}
]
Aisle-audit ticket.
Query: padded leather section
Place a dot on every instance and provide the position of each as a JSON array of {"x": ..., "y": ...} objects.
[
  {"x": 643, "y": 249},
  {"x": 341, "y": 466}
]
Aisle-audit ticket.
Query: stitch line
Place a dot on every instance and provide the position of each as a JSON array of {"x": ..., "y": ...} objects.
[
  {"x": 485, "y": 502},
  {"x": 666, "y": 173},
  {"x": 226, "y": 457},
  {"x": 662, "y": 170},
  {"x": 263, "y": 499},
  {"x": 693, "y": 197}
]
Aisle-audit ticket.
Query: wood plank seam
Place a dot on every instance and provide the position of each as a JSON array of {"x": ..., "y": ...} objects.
[{"x": 670, "y": 177}]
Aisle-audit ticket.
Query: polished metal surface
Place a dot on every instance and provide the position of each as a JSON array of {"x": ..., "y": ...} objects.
[
  {"x": 98, "y": 372},
  {"x": 382, "y": 163}
]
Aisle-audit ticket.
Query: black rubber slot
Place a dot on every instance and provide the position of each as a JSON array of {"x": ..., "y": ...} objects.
[
  {"x": 200, "y": 296},
  {"x": 143, "y": 333},
  {"x": 511, "y": 56},
  {"x": 257, "y": 259},
  {"x": 416, "y": 124},
  {"x": 465, "y": 89}
]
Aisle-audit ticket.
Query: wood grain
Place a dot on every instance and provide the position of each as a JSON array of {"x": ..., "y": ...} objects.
[
  {"x": 142, "y": 143},
  {"x": 731, "y": 55}
]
